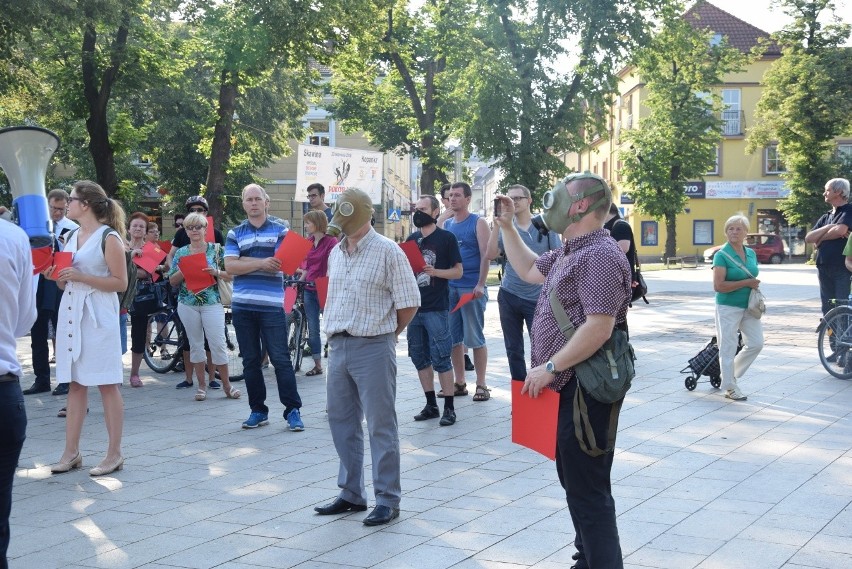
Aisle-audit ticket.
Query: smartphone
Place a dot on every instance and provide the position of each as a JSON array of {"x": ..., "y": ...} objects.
[{"x": 498, "y": 207}]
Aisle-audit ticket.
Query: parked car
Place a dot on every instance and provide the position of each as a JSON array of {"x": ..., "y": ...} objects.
[{"x": 770, "y": 248}]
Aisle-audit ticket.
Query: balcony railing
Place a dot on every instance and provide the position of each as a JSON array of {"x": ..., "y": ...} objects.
[{"x": 733, "y": 123}]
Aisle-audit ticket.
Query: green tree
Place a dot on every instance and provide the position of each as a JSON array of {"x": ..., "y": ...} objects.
[
  {"x": 394, "y": 82},
  {"x": 806, "y": 102},
  {"x": 546, "y": 68},
  {"x": 676, "y": 141}
]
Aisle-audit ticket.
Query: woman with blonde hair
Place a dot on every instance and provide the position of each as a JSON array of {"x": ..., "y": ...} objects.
[
  {"x": 88, "y": 346},
  {"x": 734, "y": 276}
]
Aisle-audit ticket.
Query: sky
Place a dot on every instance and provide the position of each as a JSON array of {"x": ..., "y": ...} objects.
[{"x": 759, "y": 13}]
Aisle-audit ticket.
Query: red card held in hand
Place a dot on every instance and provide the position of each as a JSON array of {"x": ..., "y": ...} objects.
[
  {"x": 42, "y": 258},
  {"x": 415, "y": 257},
  {"x": 292, "y": 251},
  {"x": 61, "y": 260},
  {"x": 192, "y": 267},
  {"x": 463, "y": 299},
  {"x": 534, "y": 420}
]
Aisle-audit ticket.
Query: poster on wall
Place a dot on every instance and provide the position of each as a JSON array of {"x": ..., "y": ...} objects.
[
  {"x": 338, "y": 169},
  {"x": 746, "y": 190},
  {"x": 649, "y": 233}
]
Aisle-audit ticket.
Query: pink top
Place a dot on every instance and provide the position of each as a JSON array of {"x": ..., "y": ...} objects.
[{"x": 316, "y": 263}]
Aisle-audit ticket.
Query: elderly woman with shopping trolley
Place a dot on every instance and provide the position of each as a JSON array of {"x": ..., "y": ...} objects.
[
  {"x": 734, "y": 276},
  {"x": 202, "y": 312}
]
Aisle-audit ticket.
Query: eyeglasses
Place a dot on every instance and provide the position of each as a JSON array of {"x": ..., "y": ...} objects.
[
  {"x": 518, "y": 198},
  {"x": 197, "y": 210},
  {"x": 178, "y": 224},
  {"x": 73, "y": 199},
  {"x": 313, "y": 196},
  {"x": 58, "y": 209},
  {"x": 195, "y": 227}
]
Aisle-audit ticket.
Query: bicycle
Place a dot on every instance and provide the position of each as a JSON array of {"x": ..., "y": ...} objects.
[
  {"x": 297, "y": 324},
  {"x": 834, "y": 342}
]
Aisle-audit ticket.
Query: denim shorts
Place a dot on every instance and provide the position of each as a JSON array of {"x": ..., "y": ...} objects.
[
  {"x": 429, "y": 342},
  {"x": 467, "y": 323}
]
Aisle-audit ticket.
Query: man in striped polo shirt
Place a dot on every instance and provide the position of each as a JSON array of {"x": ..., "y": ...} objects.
[{"x": 258, "y": 308}]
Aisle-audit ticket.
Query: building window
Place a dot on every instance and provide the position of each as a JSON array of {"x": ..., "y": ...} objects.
[
  {"x": 702, "y": 232},
  {"x": 773, "y": 164},
  {"x": 844, "y": 154},
  {"x": 714, "y": 171},
  {"x": 320, "y": 132},
  {"x": 649, "y": 233},
  {"x": 732, "y": 113}
]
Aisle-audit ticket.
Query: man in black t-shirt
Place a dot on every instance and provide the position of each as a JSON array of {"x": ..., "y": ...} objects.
[
  {"x": 195, "y": 204},
  {"x": 829, "y": 236},
  {"x": 429, "y": 340}
]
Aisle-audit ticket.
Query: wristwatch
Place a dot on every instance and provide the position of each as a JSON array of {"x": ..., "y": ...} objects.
[{"x": 550, "y": 368}]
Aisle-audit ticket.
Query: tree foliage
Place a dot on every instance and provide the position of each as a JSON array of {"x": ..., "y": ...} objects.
[
  {"x": 676, "y": 141},
  {"x": 547, "y": 67},
  {"x": 806, "y": 102}
]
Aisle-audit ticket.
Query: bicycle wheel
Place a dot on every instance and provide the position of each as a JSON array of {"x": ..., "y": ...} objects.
[
  {"x": 235, "y": 360},
  {"x": 295, "y": 325},
  {"x": 835, "y": 341},
  {"x": 165, "y": 348}
]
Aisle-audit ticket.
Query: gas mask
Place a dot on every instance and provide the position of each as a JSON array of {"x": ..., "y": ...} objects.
[
  {"x": 557, "y": 203},
  {"x": 422, "y": 219},
  {"x": 352, "y": 210}
]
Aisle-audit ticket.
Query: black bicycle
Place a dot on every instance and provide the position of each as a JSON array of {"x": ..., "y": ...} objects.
[
  {"x": 834, "y": 342},
  {"x": 297, "y": 324}
]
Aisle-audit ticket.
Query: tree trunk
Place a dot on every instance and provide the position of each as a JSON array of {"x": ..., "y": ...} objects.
[
  {"x": 220, "y": 153},
  {"x": 671, "y": 237},
  {"x": 430, "y": 178},
  {"x": 101, "y": 150}
]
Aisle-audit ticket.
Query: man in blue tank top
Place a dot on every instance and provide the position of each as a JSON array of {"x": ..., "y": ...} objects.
[{"x": 467, "y": 323}]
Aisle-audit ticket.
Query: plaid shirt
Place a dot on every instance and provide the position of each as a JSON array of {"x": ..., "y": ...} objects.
[
  {"x": 366, "y": 288},
  {"x": 592, "y": 276}
]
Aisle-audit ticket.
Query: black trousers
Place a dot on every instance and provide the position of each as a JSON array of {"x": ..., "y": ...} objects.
[
  {"x": 13, "y": 431},
  {"x": 39, "y": 342},
  {"x": 586, "y": 481}
]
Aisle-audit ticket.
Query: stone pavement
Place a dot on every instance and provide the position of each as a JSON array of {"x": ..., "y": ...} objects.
[{"x": 699, "y": 481}]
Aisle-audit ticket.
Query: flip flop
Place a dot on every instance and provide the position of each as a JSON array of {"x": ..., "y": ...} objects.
[{"x": 64, "y": 412}]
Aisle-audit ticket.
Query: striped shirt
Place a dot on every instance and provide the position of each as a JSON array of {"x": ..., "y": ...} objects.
[
  {"x": 366, "y": 288},
  {"x": 258, "y": 290}
]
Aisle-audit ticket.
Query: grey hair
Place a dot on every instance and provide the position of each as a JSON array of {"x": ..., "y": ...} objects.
[
  {"x": 839, "y": 185},
  {"x": 738, "y": 218}
]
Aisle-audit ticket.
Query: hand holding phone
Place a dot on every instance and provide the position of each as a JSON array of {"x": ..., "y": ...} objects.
[{"x": 498, "y": 207}]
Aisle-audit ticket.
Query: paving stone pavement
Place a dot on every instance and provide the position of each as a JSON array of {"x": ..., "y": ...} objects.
[{"x": 699, "y": 481}]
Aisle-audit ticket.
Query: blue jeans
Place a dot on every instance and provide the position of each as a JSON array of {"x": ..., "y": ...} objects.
[
  {"x": 13, "y": 431},
  {"x": 833, "y": 284},
  {"x": 429, "y": 342},
  {"x": 312, "y": 311},
  {"x": 252, "y": 328},
  {"x": 467, "y": 323},
  {"x": 514, "y": 311},
  {"x": 122, "y": 327}
]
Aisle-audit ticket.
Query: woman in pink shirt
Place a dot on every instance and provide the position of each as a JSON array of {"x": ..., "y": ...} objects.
[{"x": 313, "y": 267}]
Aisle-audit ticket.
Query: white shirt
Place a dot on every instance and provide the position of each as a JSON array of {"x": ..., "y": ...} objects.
[{"x": 17, "y": 294}]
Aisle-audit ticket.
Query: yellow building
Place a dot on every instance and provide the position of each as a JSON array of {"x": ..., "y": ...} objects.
[{"x": 741, "y": 182}]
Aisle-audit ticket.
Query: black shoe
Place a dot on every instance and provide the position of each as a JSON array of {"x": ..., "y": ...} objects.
[
  {"x": 468, "y": 365},
  {"x": 428, "y": 412},
  {"x": 37, "y": 388},
  {"x": 339, "y": 506},
  {"x": 381, "y": 515},
  {"x": 61, "y": 389},
  {"x": 832, "y": 358},
  {"x": 449, "y": 418}
]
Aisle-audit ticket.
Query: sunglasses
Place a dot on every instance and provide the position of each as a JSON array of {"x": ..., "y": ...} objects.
[
  {"x": 197, "y": 210},
  {"x": 195, "y": 227}
]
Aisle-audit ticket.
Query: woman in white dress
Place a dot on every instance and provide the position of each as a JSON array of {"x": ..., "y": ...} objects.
[{"x": 88, "y": 344}]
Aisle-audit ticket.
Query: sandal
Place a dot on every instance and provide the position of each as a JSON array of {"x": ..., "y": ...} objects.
[
  {"x": 200, "y": 395},
  {"x": 64, "y": 412},
  {"x": 460, "y": 390},
  {"x": 482, "y": 393},
  {"x": 232, "y": 393},
  {"x": 315, "y": 371}
]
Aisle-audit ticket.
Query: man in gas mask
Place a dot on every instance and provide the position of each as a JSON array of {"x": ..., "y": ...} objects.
[
  {"x": 429, "y": 340},
  {"x": 591, "y": 278},
  {"x": 372, "y": 296}
]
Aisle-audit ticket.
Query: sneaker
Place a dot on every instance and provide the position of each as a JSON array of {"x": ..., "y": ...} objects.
[
  {"x": 428, "y": 412},
  {"x": 735, "y": 394},
  {"x": 215, "y": 385},
  {"x": 468, "y": 365},
  {"x": 255, "y": 420},
  {"x": 449, "y": 418},
  {"x": 294, "y": 420},
  {"x": 183, "y": 385}
]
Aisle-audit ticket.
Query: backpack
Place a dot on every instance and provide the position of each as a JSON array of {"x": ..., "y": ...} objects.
[{"x": 126, "y": 298}]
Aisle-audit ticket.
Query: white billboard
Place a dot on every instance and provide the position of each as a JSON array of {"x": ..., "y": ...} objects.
[{"x": 338, "y": 169}]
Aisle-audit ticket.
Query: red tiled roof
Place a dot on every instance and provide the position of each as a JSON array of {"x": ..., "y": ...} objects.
[{"x": 741, "y": 35}]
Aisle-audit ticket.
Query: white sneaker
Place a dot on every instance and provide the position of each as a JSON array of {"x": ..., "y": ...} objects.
[{"x": 735, "y": 394}]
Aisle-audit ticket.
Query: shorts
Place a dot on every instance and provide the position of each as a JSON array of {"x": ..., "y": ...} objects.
[
  {"x": 468, "y": 322},
  {"x": 429, "y": 341}
]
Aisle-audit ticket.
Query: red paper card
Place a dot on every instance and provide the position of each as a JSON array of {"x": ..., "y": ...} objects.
[
  {"x": 465, "y": 298},
  {"x": 152, "y": 256},
  {"x": 192, "y": 267},
  {"x": 534, "y": 420},
  {"x": 165, "y": 246},
  {"x": 42, "y": 258},
  {"x": 290, "y": 294},
  {"x": 415, "y": 257},
  {"x": 292, "y": 251},
  {"x": 322, "y": 291},
  {"x": 61, "y": 261},
  {"x": 210, "y": 237}
]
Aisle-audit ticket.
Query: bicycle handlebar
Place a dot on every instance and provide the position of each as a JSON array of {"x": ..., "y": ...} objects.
[{"x": 298, "y": 283}]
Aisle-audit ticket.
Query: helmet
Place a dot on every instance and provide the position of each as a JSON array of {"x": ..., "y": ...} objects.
[{"x": 197, "y": 200}]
